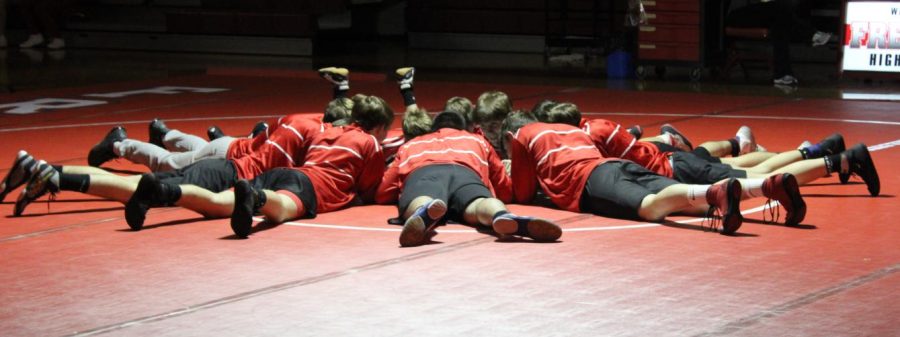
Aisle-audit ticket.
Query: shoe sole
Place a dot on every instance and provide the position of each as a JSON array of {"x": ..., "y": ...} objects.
[
  {"x": 542, "y": 230},
  {"x": 24, "y": 200},
  {"x": 7, "y": 187},
  {"x": 415, "y": 231},
  {"x": 732, "y": 219},
  {"x": 242, "y": 216},
  {"x": 505, "y": 226},
  {"x": 792, "y": 189}
]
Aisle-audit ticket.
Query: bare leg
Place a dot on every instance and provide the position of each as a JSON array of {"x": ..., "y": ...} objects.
[
  {"x": 482, "y": 210},
  {"x": 209, "y": 204},
  {"x": 90, "y": 170},
  {"x": 748, "y": 160},
  {"x": 414, "y": 205},
  {"x": 806, "y": 171},
  {"x": 112, "y": 187},
  {"x": 280, "y": 208},
  {"x": 718, "y": 148},
  {"x": 671, "y": 199},
  {"x": 776, "y": 162}
]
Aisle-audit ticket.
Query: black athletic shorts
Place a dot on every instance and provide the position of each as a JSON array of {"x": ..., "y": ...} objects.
[
  {"x": 617, "y": 188},
  {"x": 665, "y": 147},
  {"x": 456, "y": 185},
  {"x": 292, "y": 181},
  {"x": 215, "y": 175},
  {"x": 691, "y": 169},
  {"x": 704, "y": 154}
]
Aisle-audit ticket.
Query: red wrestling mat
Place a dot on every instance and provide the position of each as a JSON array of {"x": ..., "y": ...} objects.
[{"x": 74, "y": 268}]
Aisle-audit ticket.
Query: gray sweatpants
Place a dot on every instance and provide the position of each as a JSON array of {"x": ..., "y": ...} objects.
[{"x": 181, "y": 150}]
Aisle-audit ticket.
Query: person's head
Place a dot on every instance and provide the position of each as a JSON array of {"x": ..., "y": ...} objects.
[
  {"x": 490, "y": 110},
  {"x": 372, "y": 114},
  {"x": 564, "y": 113},
  {"x": 492, "y": 106},
  {"x": 461, "y": 105},
  {"x": 541, "y": 109},
  {"x": 449, "y": 119},
  {"x": 338, "y": 108},
  {"x": 512, "y": 124},
  {"x": 416, "y": 123}
]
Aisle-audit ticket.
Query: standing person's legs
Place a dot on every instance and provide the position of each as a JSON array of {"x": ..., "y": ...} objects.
[
  {"x": 47, "y": 12},
  {"x": 27, "y": 11},
  {"x": 3, "y": 24}
]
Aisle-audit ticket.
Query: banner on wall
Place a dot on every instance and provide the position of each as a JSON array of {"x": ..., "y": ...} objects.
[{"x": 872, "y": 36}]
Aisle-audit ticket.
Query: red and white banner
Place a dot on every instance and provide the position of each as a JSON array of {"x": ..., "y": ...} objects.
[{"x": 872, "y": 36}]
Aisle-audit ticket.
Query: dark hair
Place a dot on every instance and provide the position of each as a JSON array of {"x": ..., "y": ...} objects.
[
  {"x": 541, "y": 109},
  {"x": 371, "y": 112},
  {"x": 491, "y": 106},
  {"x": 517, "y": 120},
  {"x": 336, "y": 109},
  {"x": 565, "y": 113},
  {"x": 462, "y": 106},
  {"x": 341, "y": 122},
  {"x": 448, "y": 119},
  {"x": 416, "y": 123}
]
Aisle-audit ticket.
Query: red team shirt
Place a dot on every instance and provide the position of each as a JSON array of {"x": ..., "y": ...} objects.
[
  {"x": 446, "y": 146},
  {"x": 241, "y": 147},
  {"x": 615, "y": 141},
  {"x": 286, "y": 146},
  {"x": 392, "y": 142},
  {"x": 341, "y": 163},
  {"x": 559, "y": 157}
]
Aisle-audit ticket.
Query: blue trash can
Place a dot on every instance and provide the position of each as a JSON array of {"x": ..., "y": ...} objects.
[{"x": 618, "y": 65}]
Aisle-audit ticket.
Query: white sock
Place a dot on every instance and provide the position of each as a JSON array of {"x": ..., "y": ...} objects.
[
  {"x": 117, "y": 149},
  {"x": 697, "y": 194},
  {"x": 751, "y": 188}
]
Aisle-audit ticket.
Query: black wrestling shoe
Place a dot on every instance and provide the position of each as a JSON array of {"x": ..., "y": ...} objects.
[
  {"x": 260, "y": 127},
  {"x": 245, "y": 204},
  {"x": 861, "y": 164},
  {"x": 136, "y": 208},
  {"x": 214, "y": 132},
  {"x": 158, "y": 131},
  {"x": 103, "y": 151},
  {"x": 636, "y": 130},
  {"x": 834, "y": 144}
]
